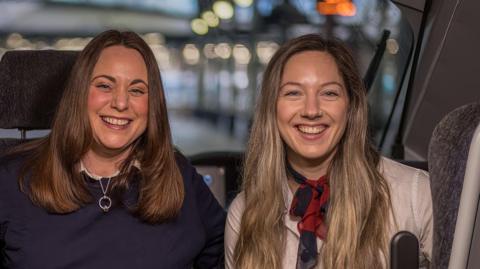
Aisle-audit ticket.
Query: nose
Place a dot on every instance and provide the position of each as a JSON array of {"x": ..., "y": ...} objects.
[
  {"x": 311, "y": 109},
  {"x": 120, "y": 99}
]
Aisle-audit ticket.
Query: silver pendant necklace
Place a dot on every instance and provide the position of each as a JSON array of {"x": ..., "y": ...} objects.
[{"x": 105, "y": 202}]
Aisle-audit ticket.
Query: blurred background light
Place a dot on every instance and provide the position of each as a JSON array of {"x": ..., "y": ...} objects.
[
  {"x": 191, "y": 54},
  {"x": 392, "y": 46},
  {"x": 71, "y": 43},
  {"x": 223, "y": 50},
  {"x": 223, "y": 9},
  {"x": 209, "y": 51},
  {"x": 265, "y": 50},
  {"x": 337, "y": 7},
  {"x": 210, "y": 18},
  {"x": 162, "y": 55},
  {"x": 199, "y": 26},
  {"x": 240, "y": 79},
  {"x": 347, "y": 9},
  {"x": 154, "y": 38},
  {"x": 243, "y": 3},
  {"x": 16, "y": 41},
  {"x": 241, "y": 54}
]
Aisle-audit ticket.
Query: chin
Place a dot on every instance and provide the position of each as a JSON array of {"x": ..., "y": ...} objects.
[
  {"x": 314, "y": 154},
  {"x": 115, "y": 145}
]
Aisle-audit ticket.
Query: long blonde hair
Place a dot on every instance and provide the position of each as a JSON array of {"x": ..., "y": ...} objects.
[
  {"x": 51, "y": 168},
  {"x": 359, "y": 211}
]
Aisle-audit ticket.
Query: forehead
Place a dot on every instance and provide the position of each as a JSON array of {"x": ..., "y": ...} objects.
[
  {"x": 320, "y": 64},
  {"x": 120, "y": 59}
]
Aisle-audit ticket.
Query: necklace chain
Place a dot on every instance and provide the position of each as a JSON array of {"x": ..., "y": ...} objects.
[{"x": 105, "y": 202}]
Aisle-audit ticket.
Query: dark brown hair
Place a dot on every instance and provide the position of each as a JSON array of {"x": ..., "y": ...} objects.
[{"x": 54, "y": 179}]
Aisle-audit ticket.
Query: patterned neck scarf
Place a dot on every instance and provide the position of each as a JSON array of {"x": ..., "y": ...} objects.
[{"x": 310, "y": 202}]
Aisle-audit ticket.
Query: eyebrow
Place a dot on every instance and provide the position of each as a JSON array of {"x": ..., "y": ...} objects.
[
  {"x": 112, "y": 79},
  {"x": 300, "y": 84}
]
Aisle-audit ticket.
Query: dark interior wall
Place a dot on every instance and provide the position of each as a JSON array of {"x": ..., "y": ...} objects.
[{"x": 448, "y": 71}]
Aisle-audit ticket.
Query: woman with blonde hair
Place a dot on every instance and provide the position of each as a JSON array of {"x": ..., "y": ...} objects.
[
  {"x": 106, "y": 189},
  {"x": 315, "y": 192}
]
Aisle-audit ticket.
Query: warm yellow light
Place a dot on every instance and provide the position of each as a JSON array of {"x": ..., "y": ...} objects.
[
  {"x": 162, "y": 55},
  {"x": 243, "y": 3},
  {"x": 223, "y": 9},
  {"x": 208, "y": 51},
  {"x": 211, "y": 19},
  {"x": 154, "y": 38},
  {"x": 392, "y": 46},
  {"x": 191, "y": 54},
  {"x": 14, "y": 41},
  {"x": 199, "y": 26},
  {"x": 223, "y": 50},
  {"x": 265, "y": 51},
  {"x": 241, "y": 54}
]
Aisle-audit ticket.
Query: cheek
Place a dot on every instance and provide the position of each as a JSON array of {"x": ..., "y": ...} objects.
[
  {"x": 281, "y": 119},
  {"x": 141, "y": 107},
  {"x": 284, "y": 112},
  {"x": 342, "y": 119},
  {"x": 96, "y": 100}
]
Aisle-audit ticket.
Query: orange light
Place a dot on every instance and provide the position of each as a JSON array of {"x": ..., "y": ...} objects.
[
  {"x": 347, "y": 9},
  {"x": 336, "y": 7},
  {"x": 326, "y": 8}
]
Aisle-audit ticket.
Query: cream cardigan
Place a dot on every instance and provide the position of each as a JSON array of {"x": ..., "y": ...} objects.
[{"x": 412, "y": 209}]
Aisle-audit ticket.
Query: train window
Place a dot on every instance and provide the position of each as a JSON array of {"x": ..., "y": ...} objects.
[{"x": 212, "y": 80}]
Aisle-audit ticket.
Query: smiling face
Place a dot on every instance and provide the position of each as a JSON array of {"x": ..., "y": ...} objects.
[
  {"x": 118, "y": 100},
  {"x": 312, "y": 108}
]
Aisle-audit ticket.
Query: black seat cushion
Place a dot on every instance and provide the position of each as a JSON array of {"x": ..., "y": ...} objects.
[{"x": 31, "y": 85}]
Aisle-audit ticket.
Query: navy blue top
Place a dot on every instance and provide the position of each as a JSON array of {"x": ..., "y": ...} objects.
[{"x": 89, "y": 238}]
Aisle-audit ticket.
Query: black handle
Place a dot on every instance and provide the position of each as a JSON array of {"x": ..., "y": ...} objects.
[{"x": 404, "y": 251}]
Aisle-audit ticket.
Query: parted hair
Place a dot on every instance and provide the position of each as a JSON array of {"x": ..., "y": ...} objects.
[
  {"x": 51, "y": 174},
  {"x": 359, "y": 211}
]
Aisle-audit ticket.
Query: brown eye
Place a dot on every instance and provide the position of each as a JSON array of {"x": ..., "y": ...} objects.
[
  {"x": 103, "y": 86},
  {"x": 137, "y": 91},
  {"x": 330, "y": 95},
  {"x": 292, "y": 93}
]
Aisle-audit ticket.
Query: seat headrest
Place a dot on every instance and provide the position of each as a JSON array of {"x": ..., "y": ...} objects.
[
  {"x": 447, "y": 159},
  {"x": 31, "y": 85}
]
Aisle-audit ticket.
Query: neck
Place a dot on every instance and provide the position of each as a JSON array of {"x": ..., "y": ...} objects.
[
  {"x": 103, "y": 165},
  {"x": 310, "y": 168}
]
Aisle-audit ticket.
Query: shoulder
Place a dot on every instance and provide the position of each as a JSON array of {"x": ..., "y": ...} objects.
[
  {"x": 409, "y": 188},
  {"x": 186, "y": 169},
  {"x": 400, "y": 175},
  {"x": 234, "y": 219},
  {"x": 411, "y": 201},
  {"x": 182, "y": 161},
  {"x": 10, "y": 194},
  {"x": 12, "y": 161},
  {"x": 410, "y": 194},
  {"x": 10, "y": 166},
  {"x": 236, "y": 209}
]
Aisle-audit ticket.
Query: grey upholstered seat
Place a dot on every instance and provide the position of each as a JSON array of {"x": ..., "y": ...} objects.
[{"x": 447, "y": 158}]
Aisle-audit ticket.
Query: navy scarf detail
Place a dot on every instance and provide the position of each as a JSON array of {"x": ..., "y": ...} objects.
[{"x": 310, "y": 203}]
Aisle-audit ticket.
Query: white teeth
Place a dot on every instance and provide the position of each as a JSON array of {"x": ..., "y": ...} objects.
[
  {"x": 115, "y": 121},
  {"x": 311, "y": 129}
]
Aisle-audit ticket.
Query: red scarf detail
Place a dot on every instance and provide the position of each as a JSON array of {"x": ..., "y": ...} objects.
[
  {"x": 312, "y": 208},
  {"x": 310, "y": 203}
]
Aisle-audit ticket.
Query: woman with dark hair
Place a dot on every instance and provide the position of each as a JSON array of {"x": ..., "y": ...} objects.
[
  {"x": 315, "y": 192},
  {"x": 106, "y": 189}
]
